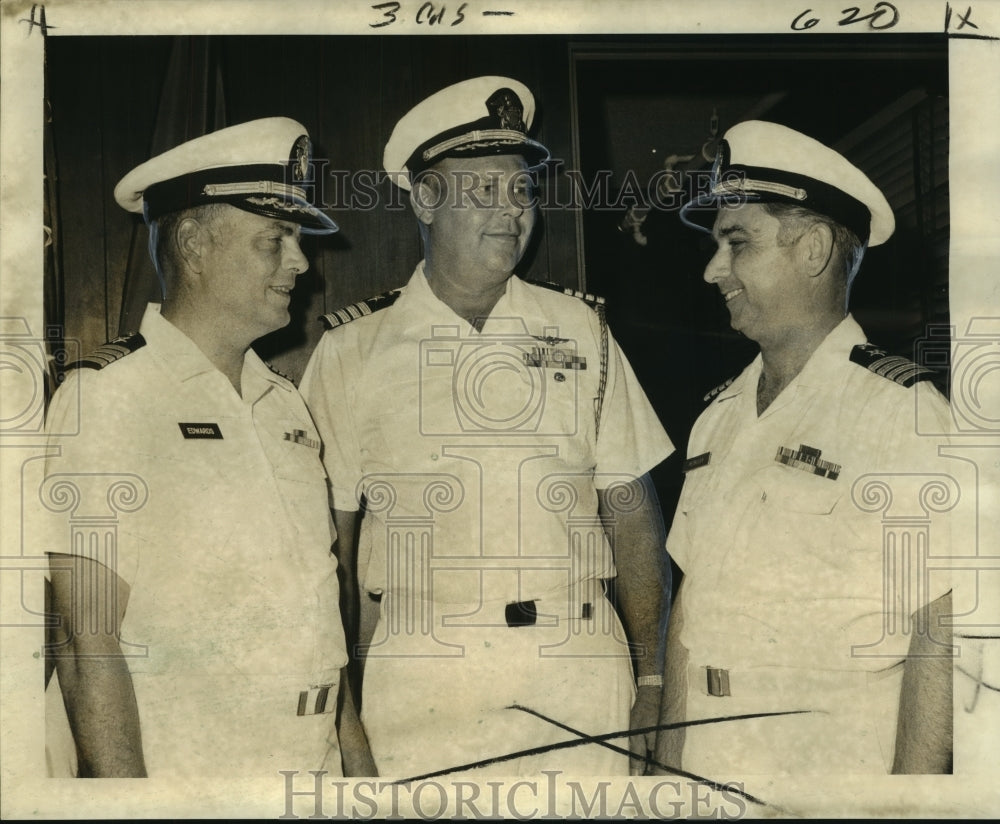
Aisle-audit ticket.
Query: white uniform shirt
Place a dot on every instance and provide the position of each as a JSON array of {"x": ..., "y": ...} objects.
[
  {"x": 784, "y": 571},
  {"x": 441, "y": 425},
  {"x": 479, "y": 459},
  {"x": 219, "y": 506}
]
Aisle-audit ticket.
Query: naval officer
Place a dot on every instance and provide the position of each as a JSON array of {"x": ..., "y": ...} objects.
[
  {"x": 202, "y": 637},
  {"x": 493, "y": 442},
  {"x": 790, "y": 599}
]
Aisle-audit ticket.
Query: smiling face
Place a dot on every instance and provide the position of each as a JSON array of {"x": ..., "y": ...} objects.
[
  {"x": 760, "y": 278},
  {"x": 250, "y": 267},
  {"x": 478, "y": 214}
]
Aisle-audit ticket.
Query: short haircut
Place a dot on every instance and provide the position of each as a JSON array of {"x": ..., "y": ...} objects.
[
  {"x": 795, "y": 220},
  {"x": 167, "y": 257}
]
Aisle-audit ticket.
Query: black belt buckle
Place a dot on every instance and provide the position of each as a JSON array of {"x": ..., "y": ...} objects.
[{"x": 521, "y": 614}]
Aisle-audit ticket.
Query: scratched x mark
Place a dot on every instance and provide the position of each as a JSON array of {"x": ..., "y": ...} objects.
[{"x": 604, "y": 740}]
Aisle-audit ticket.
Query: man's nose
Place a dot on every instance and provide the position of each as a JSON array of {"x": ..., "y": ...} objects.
[
  {"x": 717, "y": 268},
  {"x": 294, "y": 258}
]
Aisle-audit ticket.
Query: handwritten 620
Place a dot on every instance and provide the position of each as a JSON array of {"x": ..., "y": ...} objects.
[{"x": 882, "y": 16}]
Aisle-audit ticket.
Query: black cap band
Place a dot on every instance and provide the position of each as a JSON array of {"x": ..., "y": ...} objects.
[
  {"x": 769, "y": 185},
  {"x": 735, "y": 184},
  {"x": 476, "y": 139},
  {"x": 502, "y": 131},
  {"x": 264, "y": 189},
  {"x": 218, "y": 185}
]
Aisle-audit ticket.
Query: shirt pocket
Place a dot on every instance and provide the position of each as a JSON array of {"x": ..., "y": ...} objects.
[
  {"x": 798, "y": 491},
  {"x": 295, "y": 453}
]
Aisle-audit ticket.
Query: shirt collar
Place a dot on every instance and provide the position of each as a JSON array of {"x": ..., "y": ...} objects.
[
  {"x": 182, "y": 358},
  {"x": 180, "y": 355},
  {"x": 434, "y": 311},
  {"x": 835, "y": 348},
  {"x": 516, "y": 309},
  {"x": 831, "y": 353},
  {"x": 518, "y": 306},
  {"x": 258, "y": 378}
]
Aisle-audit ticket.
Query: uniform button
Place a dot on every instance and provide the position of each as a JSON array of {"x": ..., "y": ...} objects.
[
  {"x": 434, "y": 456},
  {"x": 559, "y": 376}
]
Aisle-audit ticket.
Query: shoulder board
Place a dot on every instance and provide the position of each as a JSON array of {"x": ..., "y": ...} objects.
[
  {"x": 893, "y": 367},
  {"x": 360, "y": 309},
  {"x": 110, "y": 352},
  {"x": 592, "y": 300},
  {"x": 711, "y": 396}
]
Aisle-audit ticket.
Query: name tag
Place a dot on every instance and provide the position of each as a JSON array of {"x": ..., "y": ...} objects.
[
  {"x": 200, "y": 430},
  {"x": 696, "y": 462}
]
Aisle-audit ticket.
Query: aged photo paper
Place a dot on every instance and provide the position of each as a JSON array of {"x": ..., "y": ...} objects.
[{"x": 627, "y": 89}]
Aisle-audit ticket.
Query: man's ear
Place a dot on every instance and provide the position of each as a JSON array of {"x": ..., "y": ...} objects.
[
  {"x": 818, "y": 245},
  {"x": 191, "y": 238},
  {"x": 426, "y": 195}
]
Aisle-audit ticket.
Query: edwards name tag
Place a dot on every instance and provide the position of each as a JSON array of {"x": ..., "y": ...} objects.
[{"x": 200, "y": 430}]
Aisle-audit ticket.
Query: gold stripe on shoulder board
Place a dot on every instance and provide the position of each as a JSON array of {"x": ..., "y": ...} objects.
[{"x": 346, "y": 314}]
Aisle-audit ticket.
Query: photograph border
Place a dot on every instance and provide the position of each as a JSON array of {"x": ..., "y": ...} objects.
[{"x": 973, "y": 31}]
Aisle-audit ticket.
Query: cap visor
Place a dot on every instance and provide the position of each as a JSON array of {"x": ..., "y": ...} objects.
[
  {"x": 295, "y": 210},
  {"x": 700, "y": 213}
]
